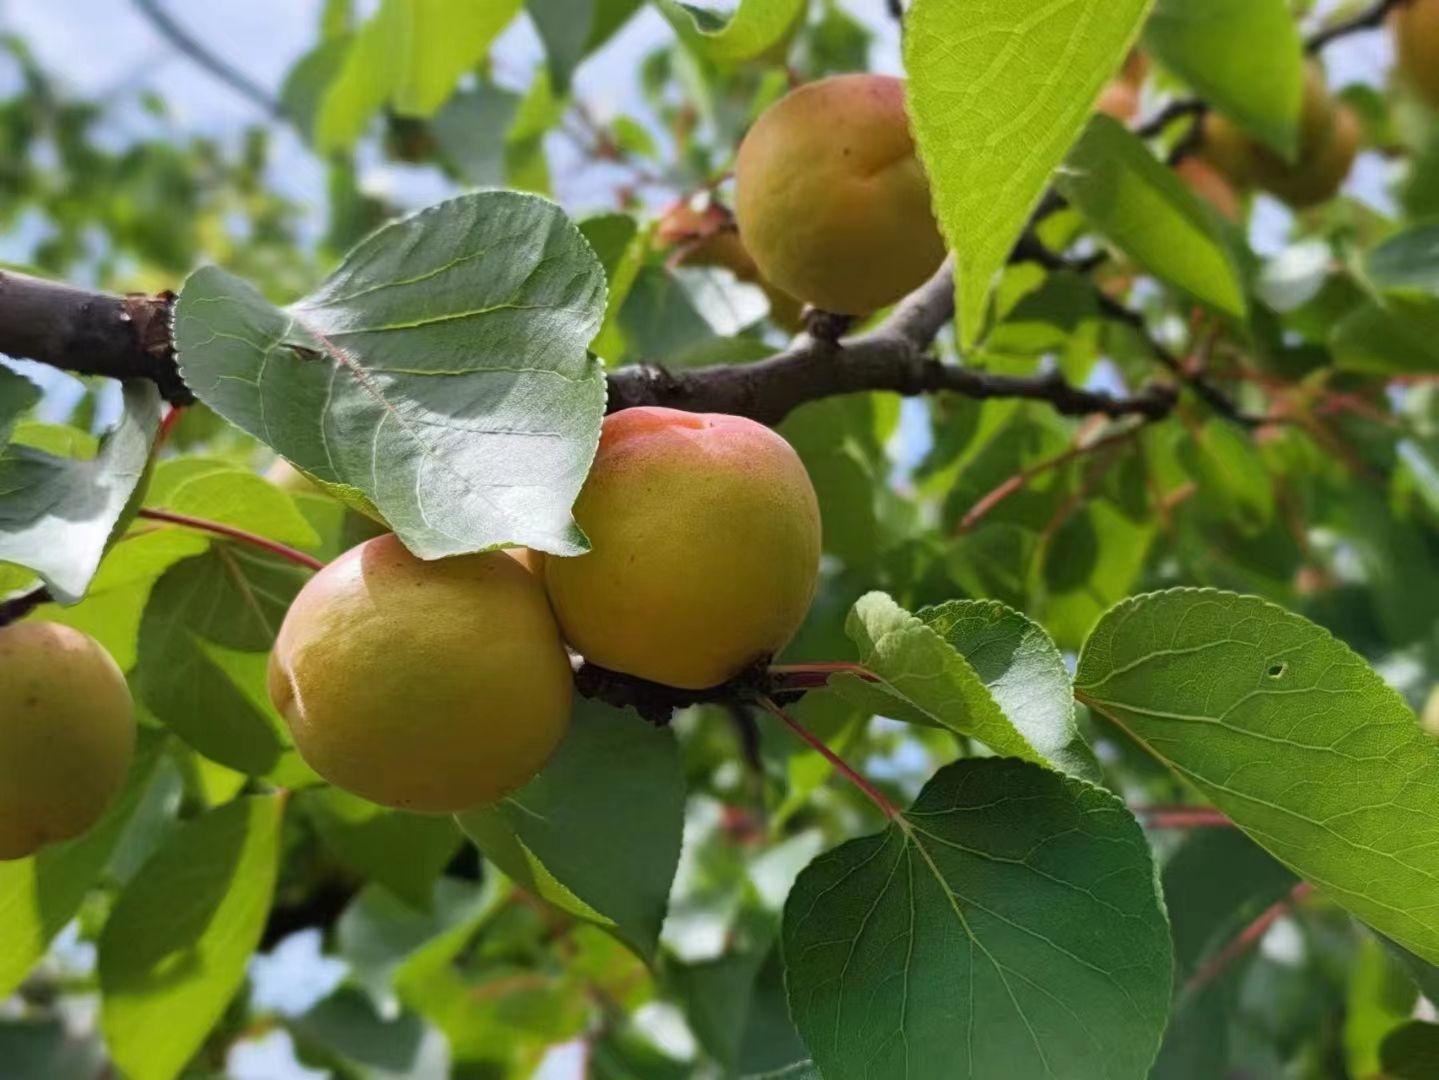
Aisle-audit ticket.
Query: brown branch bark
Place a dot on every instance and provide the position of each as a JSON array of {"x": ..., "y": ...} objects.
[
  {"x": 17, "y": 607},
  {"x": 90, "y": 333},
  {"x": 893, "y": 356}
]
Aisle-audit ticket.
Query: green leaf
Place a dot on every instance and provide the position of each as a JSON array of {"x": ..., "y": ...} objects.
[
  {"x": 597, "y": 833},
  {"x": 39, "y": 895},
  {"x": 1380, "y": 997},
  {"x": 1244, "y": 57},
  {"x": 1397, "y": 336},
  {"x": 348, "y": 1028},
  {"x": 1214, "y": 885},
  {"x": 1408, "y": 260},
  {"x": 217, "y": 491},
  {"x": 204, "y": 639},
  {"x": 115, "y": 602},
  {"x": 1008, "y": 924},
  {"x": 1411, "y": 1052},
  {"x": 572, "y": 29},
  {"x": 1291, "y": 735},
  {"x": 975, "y": 667},
  {"x": 754, "y": 28},
  {"x": 309, "y": 80},
  {"x": 470, "y": 131},
  {"x": 18, "y": 395},
  {"x": 440, "y": 373},
  {"x": 411, "y": 54},
  {"x": 1130, "y": 196},
  {"x": 379, "y": 935},
  {"x": 998, "y": 90},
  {"x": 403, "y": 852},
  {"x": 58, "y": 514},
  {"x": 1229, "y": 474},
  {"x": 174, "y": 950}
]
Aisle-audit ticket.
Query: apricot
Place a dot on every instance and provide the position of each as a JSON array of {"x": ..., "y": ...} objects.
[
  {"x": 705, "y": 536},
  {"x": 67, "y": 733},
  {"x": 1416, "y": 47},
  {"x": 1119, "y": 99},
  {"x": 427, "y": 686},
  {"x": 1328, "y": 140},
  {"x": 831, "y": 198},
  {"x": 1211, "y": 185},
  {"x": 710, "y": 237}
]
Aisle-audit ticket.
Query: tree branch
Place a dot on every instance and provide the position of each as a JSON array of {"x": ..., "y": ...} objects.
[
  {"x": 196, "y": 50},
  {"x": 90, "y": 333},
  {"x": 17, "y": 607},
  {"x": 1370, "y": 19},
  {"x": 893, "y": 356}
]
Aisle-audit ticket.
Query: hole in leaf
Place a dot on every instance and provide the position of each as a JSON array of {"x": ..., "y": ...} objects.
[{"x": 1276, "y": 671}]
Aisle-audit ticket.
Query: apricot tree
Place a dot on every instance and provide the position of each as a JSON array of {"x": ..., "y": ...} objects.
[{"x": 904, "y": 544}]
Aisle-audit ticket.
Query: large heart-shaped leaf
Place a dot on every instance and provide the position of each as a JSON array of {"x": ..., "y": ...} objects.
[
  {"x": 998, "y": 89},
  {"x": 440, "y": 373},
  {"x": 57, "y": 514},
  {"x": 1008, "y": 924},
  {"x": 1292, "y": 735},
  {"x": 597, "y": 833}
]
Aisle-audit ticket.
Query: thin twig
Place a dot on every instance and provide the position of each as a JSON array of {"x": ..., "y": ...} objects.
[
  {"x": 1182, "y": 817},
  {"x": 987, "y": 503},
  {"x": 840, "y": 765},
  {"x": 274, "y": 547},
  {"x": 1370, "y": 19},
  {"x": 200, "y": 54},
  {"x": 1246, "y": 939}
]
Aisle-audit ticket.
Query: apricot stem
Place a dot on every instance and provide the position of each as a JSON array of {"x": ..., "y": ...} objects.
[
  {"x": 1181, "y": 817},
  {"x": 814, "y": 676},
  {"x": 1246, "y": 939},
  {"x": 840, "y": 765},
  {"x": 274, "y": 547}
]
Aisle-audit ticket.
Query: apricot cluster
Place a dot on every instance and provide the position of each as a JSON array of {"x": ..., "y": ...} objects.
[{"x": 441, "y": 686}]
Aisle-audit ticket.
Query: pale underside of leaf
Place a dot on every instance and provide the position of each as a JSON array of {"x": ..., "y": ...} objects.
[{"x": 441, "y": 372}]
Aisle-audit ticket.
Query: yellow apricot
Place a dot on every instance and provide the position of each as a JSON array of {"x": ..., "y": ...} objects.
[
  {"x": 832, "y": 201},
  {"x": 67, "y": 733},
  {"x": 1416, "y": 47},
  {"x": 705, "y": 537},
  {"x": 1328, "y": 141},
  {"x": 428, "y": 686}
]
